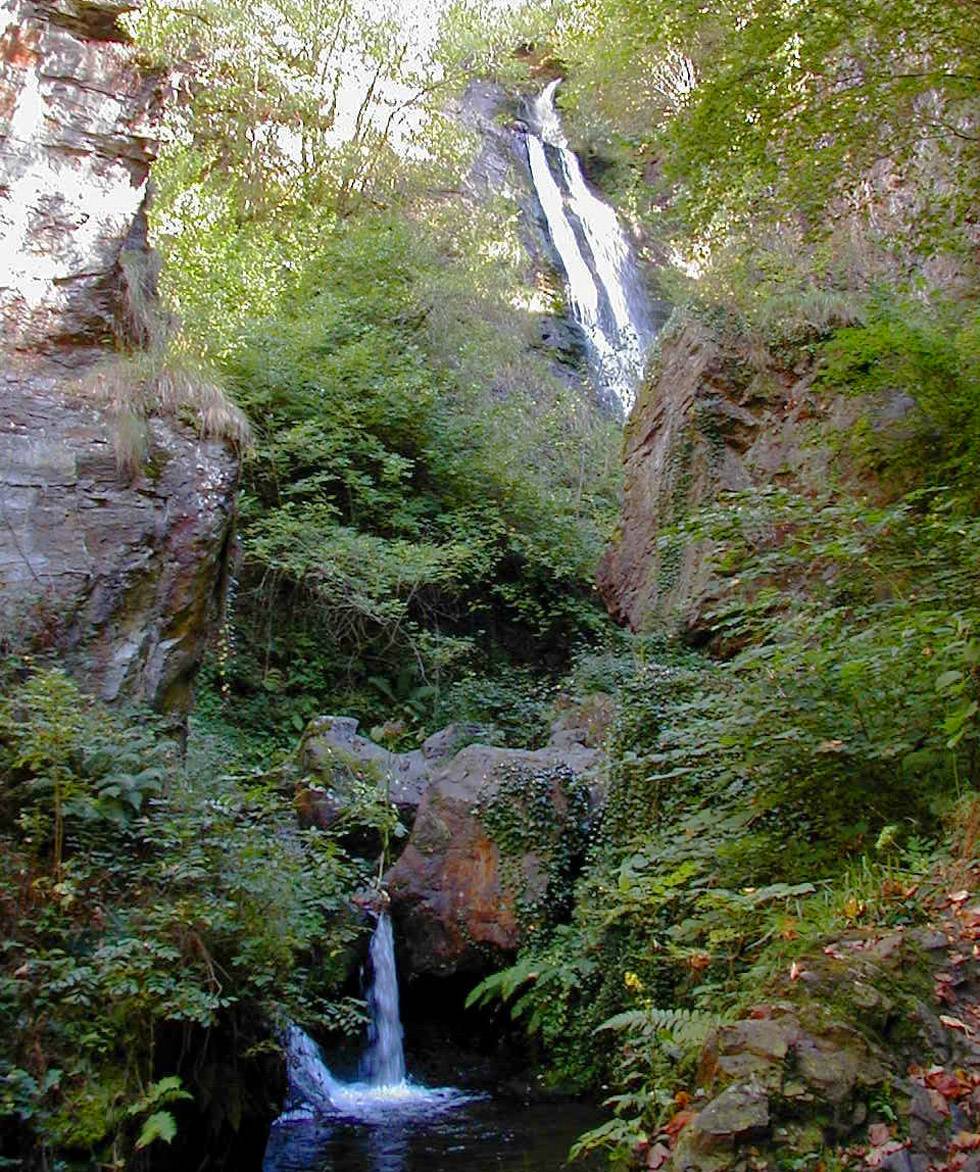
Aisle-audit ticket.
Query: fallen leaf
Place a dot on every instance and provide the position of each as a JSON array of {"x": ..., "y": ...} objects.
[
  {"x": 953, "y": 1023},
  {"x": 950, "y": 1086},
  {"x": 796, "y": 971},
  {"x": 877, "y": 1155},
  {"x": 658, "y": 1155}
]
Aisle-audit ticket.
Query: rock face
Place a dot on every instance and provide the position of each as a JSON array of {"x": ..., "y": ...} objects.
[
  {"x": 123, "y": 578},
  {"x": 496, "y": 834},
  {"x": 77, "y": 136},
  {"x": 491, "y": 855},
  {"x": 715, "y": 415}
]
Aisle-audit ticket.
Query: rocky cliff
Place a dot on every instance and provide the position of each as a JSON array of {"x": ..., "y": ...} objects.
[
  {"x": 77, "y": 137},
  {"x": 119, "y": 574},
  {"x": 718, "y": 413}
]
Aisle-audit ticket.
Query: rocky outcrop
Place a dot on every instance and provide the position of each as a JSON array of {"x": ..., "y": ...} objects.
[
  {"x": 121, "y": 577},
  {"x": 717, "y": 414},
  {"x": 496, "y": 834},
  {"x": 332, "y": 755},
  {"x": 871, "y": 1045},
  {"x": 491, "y": 856},
  {"x": 77, "y": 136}
]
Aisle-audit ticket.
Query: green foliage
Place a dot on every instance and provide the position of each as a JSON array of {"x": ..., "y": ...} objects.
[
  {"x": 793, "y": 144},
  {"x": 844, "y": 721},
  {"x": 931, "y": 358},
  {"x": 144, "y": 901},
  {"x": 399, "y": 523}
]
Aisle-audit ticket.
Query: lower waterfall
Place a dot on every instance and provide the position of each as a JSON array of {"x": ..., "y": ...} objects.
[{"x": 383, "y": 1088}]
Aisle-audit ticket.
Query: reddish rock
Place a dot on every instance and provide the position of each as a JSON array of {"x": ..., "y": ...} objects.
[
  {"x": 716, "y": 415},
  {"x": 463, "y": 891}
]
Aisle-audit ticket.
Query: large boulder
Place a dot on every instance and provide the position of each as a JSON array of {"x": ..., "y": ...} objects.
[
  {"x": 491, "y": 856},
  {"x": 495, "y": 835},
  {"x": 333, "y": 756}
]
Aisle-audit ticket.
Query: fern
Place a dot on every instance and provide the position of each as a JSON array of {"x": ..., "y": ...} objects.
[
  {"x": 503, "y": 984},
  {"x": 686, "y": 1028}
]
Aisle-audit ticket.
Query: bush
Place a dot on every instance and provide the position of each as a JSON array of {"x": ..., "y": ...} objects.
[{"x": 146, "y": 905}]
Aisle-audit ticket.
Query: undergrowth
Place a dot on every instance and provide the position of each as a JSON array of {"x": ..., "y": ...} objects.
[{"x": 161, "y": 918}]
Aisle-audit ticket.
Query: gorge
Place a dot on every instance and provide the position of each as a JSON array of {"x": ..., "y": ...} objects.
[{"x": 488, "y": 587}]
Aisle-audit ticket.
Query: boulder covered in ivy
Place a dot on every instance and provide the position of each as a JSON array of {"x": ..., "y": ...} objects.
[{"x": 490, "y": 862}]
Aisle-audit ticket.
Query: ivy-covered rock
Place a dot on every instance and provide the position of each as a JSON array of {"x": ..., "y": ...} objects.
[{"x": 492, "y": 855}]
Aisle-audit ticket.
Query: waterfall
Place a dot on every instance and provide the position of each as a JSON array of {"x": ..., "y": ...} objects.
[
  {"x": 605, "y": 292},
  {"x": 383, "y": 1091},
  {"x": 384, "y": 1061}
]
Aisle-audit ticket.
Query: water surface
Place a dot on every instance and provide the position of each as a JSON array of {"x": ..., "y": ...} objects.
[{"x": 484, "y": 1135}]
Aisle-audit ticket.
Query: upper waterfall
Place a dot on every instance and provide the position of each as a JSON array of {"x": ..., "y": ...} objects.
[{"x": 604, "y": 289}]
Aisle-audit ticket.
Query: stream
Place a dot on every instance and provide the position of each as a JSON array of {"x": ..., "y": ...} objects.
[{"x": 383, "y": 1121}]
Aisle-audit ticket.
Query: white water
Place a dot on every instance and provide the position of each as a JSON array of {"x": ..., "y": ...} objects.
[
  {"x": 603, "y": 287},
  {"x": 383, "y": 1092},
  {"x": 384, "y": 1062}
]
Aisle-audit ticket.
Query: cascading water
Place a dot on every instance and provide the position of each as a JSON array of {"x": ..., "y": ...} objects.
[
  {"x": 383, "y": 1090},
  {"x": 384, "y": 1062},
  {"x": 605, "y": 292},
  {"x": 387, "y": 1123}
]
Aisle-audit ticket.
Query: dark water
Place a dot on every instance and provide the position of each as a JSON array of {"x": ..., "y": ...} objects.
[{"x": 480, "y": 1136}]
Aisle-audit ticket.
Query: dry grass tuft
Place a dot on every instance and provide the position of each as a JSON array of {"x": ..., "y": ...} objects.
[{"x": 134, "y": 388}]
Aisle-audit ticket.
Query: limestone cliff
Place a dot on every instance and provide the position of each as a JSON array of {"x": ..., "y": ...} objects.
[{"x": 119, "y": 575}]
